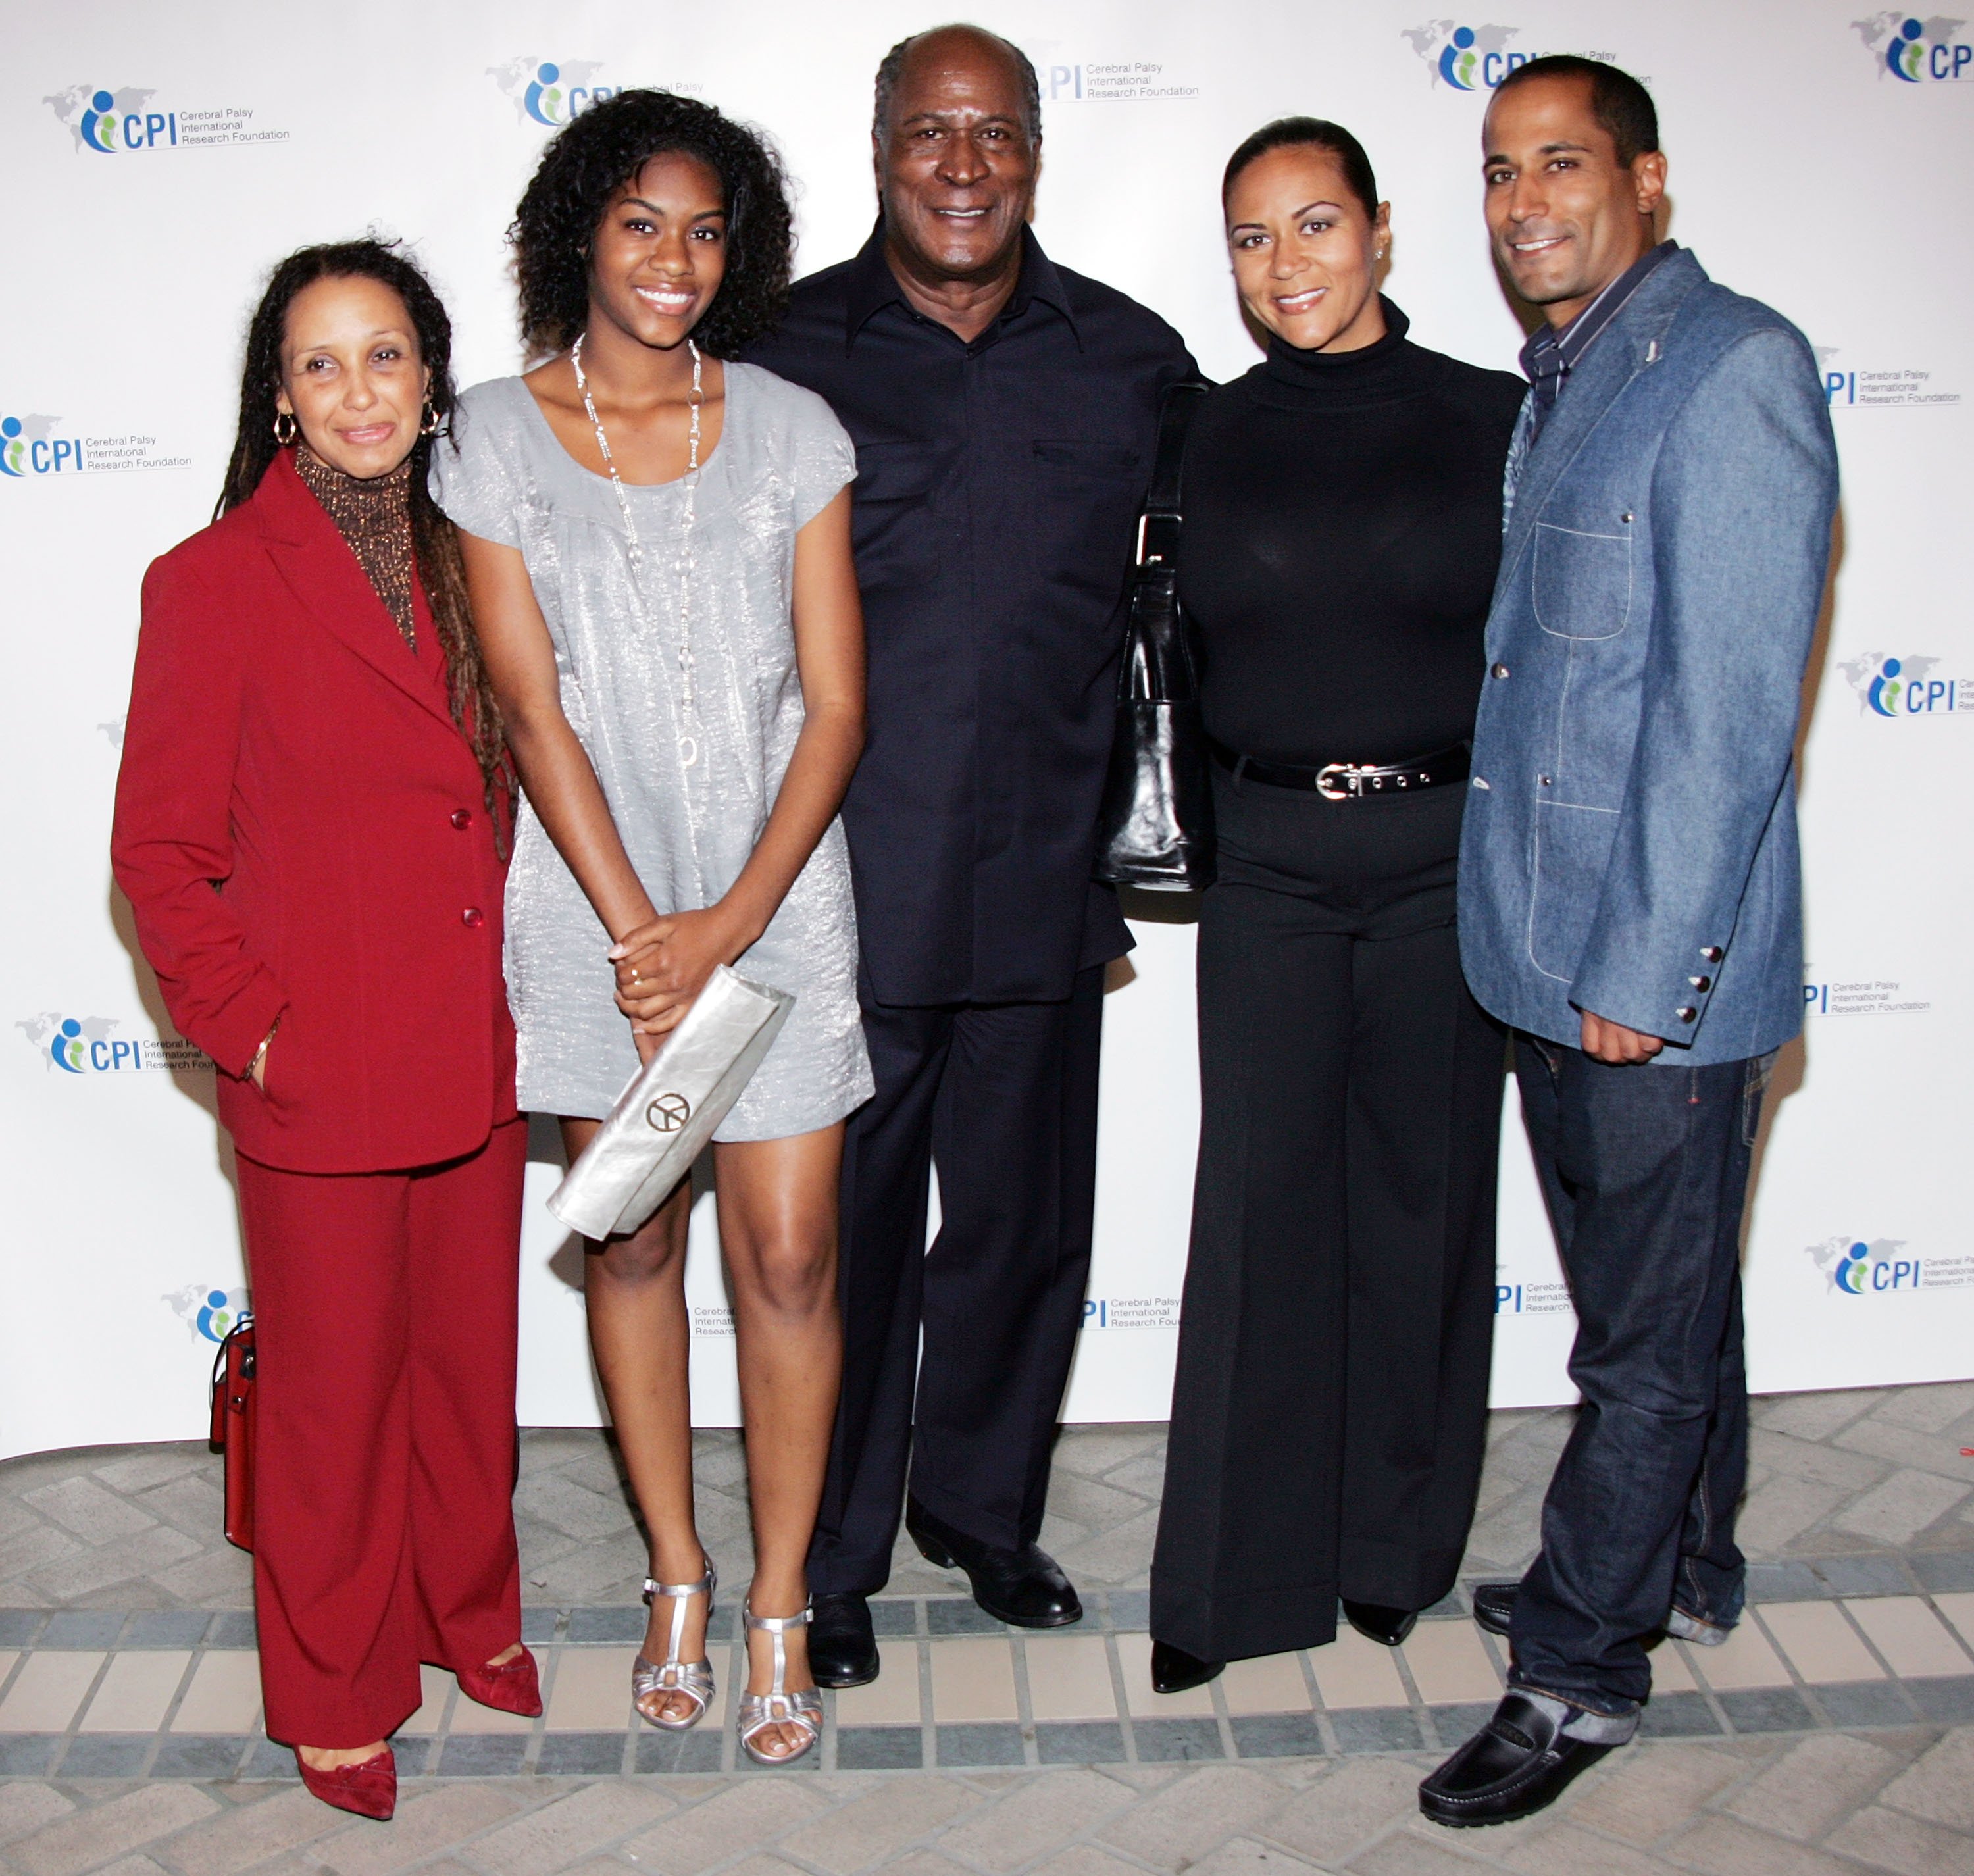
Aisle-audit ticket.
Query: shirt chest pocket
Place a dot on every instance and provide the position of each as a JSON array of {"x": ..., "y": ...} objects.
[
  {"x": 1582, "y": 582},
  {"x": 893, "y": 507},
  {"x": 1110, "y": 460}
]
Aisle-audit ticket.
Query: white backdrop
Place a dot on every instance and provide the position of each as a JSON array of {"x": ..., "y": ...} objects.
[{"x": 160, "y": 160}]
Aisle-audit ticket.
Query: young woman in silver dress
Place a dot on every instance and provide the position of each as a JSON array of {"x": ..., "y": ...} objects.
[{"x": 658, "y": 544}]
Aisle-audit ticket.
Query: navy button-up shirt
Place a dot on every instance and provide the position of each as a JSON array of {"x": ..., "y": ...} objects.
[{"x": 998, "y": 492}]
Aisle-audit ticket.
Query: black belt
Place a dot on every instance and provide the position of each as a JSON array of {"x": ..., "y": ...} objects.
[{"x": 1353, "y": 781}]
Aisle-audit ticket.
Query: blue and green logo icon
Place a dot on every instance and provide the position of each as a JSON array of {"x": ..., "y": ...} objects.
[
  {"x": 1855, "y": 1268},
  {"x": 29, "y": 447},
  {"x": 109, "y": 122},
  {"x": 211, "y": 1314},
  {"x": 550, "y": 91},
  {"x": 1916, "y": 51},
  {"x": 1466, "y": 58},
  {"x": 1904, "y": 684}
]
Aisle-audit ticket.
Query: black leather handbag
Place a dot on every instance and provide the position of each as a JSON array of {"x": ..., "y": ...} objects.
[{"x": 1156, "y": 826}]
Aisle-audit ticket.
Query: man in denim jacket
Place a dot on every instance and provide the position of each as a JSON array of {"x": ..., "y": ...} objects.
[{"x": 1629, "y": 894}]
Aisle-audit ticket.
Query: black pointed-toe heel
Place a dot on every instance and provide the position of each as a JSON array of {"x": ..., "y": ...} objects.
[{"x": 1175, "y": 1672}]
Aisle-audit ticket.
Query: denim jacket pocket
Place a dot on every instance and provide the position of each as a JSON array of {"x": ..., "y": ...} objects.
[
  {"x": 1582, "y": 582},
  {"x": 1573, "y": 847}
]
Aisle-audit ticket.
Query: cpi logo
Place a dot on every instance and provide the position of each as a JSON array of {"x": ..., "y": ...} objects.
[
  {"x": 29, "y": 447},
  {"x": 1466, "y": 58},
  {"x": 1856, "y": 1268},
  {"x": 1903, "y": 685},
  {"x": 210, "y": 1314},
  {"x": 1916, "y": 51},
  {"x": 109, "y": 121},
  {"x": 549, "y": 91}
]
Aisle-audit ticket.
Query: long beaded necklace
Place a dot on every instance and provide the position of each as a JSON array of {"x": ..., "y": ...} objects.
[{"x": 688, "y": 743}]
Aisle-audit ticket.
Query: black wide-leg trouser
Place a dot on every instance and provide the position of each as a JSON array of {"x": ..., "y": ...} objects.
[
  {"x": 955, "y": 1358},
  {"x": 1330, "y": 1409}
]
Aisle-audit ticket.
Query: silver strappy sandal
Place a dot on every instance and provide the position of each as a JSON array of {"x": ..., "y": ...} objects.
[
  {"x": 692, "y": 1679},
  {"x": 778, "y": 1706}
]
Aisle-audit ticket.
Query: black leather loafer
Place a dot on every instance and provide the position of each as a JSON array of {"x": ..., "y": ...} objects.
[
  {"x": 1175, "y": 1672},
  {"x": 1390, "y": 1626},
  {"x": 842, "y": 1650},
  {"x": 1495, "y": 1606},
  {"x": 1521, "y": 1761},
  {"x": 1025, "y": 1587}
]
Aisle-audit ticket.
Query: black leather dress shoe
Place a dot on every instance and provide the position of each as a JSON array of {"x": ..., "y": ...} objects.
[
  {"x": 1390, "y": 1626},
  {"x": 842, "y": 1650},
  {"x": 1025, "y": 1587},
  {"x": 1173, "y": 1670},
  {"x": 1495, "y": 1606},
  {"x": 1519, "y": 1762}
]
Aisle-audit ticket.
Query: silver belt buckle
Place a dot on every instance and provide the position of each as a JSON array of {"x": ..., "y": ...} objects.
[{"x": 1327, "y": 788}]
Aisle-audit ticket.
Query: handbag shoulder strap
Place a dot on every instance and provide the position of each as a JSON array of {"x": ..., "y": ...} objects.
[{"x": 1159, "y": 525}]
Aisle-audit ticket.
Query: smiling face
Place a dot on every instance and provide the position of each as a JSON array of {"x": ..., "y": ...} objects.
[
  {"x": 351, "y": 375},
  {"x": 1306, "y": 250},
  {"x": 659, "y": 254},
  {"x": 956, "y": 166},
  {"x": 1566, "y": 216}
]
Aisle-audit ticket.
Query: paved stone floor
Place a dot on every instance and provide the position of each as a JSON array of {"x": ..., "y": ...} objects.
[{"x": 1835, "y": 1734}]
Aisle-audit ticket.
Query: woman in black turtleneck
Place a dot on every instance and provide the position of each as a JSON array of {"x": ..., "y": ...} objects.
[{"x": 1342, "y": 522}]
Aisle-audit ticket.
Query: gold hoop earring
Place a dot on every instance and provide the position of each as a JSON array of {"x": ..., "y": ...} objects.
[
  {"x": 429, "y": 425},
  {"x": 286, "y": 437}
]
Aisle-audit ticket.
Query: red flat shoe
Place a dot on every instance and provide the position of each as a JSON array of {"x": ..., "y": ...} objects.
[
  {"x": 514, "y": 1686},
  {"x": 369, "y": 1788}
]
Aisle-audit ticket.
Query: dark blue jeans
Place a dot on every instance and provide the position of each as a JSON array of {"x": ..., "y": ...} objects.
[{"x": 1645, "y": 1172}]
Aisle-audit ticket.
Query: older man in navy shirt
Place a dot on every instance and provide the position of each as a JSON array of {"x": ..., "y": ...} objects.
[{"x": 1004, "y": 411}]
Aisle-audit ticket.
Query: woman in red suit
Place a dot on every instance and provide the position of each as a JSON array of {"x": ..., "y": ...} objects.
[{"x": 311, "y": 828}]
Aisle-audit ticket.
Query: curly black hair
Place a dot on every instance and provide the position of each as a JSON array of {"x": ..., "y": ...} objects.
[
  {"x": 434, "y": 540},
  {"x": 592, "y": 157}
]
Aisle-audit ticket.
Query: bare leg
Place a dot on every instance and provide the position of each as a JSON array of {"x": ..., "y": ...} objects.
[
  {"x": 634, "y": 1289},
  {"x": 777, "y": 1228}
]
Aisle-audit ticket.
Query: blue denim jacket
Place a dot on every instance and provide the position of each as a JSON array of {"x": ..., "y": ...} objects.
[{"x": 1630, "y": 846}]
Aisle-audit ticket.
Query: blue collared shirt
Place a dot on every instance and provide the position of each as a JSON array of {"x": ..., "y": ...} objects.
[{"x": 1552, "y": 353}]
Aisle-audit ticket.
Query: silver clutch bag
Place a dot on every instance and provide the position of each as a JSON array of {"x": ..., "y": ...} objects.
[{"x": 669, "y": 1110}]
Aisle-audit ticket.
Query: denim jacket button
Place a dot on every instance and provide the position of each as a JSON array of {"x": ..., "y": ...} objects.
[
  {"x": 1711, "y": 953},
  {"x": 1703, "y": 984},
  {"x": 1501, "y": 670},
  {"x": 1686, "y": 1012}
]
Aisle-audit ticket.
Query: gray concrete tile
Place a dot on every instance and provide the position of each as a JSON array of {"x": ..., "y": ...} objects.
[
  {"x": 569, "y": 1754},
  {"x": 167, "y": 1628},
  {"x": 980, "y": 1743},
  {"x": 143, "y": 1467},
  {"x": 18, "y": 1627},
  {"x": 198, "y": 1755},
  {"x": 232, "y": 1629},
  {"x": 106, "y": 1755},
  {"x": 1677, "y": 1715},
  {"x": 879, "y": 1749},
  {"x": 27, "y": 1755},
  {"x": 1171, "y": 1741},
  {"x": 91, "y": 1511},
  {"x": 482, "y": 1754},
  {"x": 895, "y": 1616},
  {"x": 1864, "y": 1576},
  {"x": 697, "y": 1751},
  {"x": 1766, "y": 1709},
  {"x": 1095, "y": 1742},
  {"x": 1130, "y": 1610},
  {"x": 1942, "y": 1571},
  {"x": 958, "y": 1616},
  {"x": 1951, "y": 1702},
  {"x": 1277, "y": 1735},
  {"x": 82, "y": 1629},
  {"x": 1866, "y": 1703},
  {"x": 618, "y": 1624},
  {"x": 1377, "y": 1729}
]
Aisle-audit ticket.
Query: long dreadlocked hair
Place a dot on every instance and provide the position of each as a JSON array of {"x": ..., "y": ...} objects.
[{"x": 435, "y": 541}]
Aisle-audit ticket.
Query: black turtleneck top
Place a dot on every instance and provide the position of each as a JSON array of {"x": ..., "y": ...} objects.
[{"x": 1342, "y": 525}]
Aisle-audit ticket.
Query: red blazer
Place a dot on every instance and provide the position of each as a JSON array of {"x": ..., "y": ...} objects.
[{"x": 301, "y": 831}]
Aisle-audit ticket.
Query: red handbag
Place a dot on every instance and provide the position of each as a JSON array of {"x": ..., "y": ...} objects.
[{"x": 233, "y": 1428}]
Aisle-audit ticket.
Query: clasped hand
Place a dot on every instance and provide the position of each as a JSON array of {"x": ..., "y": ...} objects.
[{"x": 664, "y": 963}]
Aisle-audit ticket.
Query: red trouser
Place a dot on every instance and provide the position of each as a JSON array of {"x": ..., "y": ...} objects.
[{"x": 385, "y": 1319}]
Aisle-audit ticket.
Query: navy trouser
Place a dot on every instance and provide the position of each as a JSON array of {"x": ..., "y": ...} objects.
[
  {"x": 1645, "y": 1171},
  {"x": 954, "y": 1358}
]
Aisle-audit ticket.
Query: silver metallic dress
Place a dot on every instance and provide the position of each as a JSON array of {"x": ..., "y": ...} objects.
[{"x": 689, "y": 821}]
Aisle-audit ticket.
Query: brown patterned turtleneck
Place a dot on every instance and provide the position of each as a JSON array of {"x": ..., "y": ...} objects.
[{"x": 375, "y": 518}]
